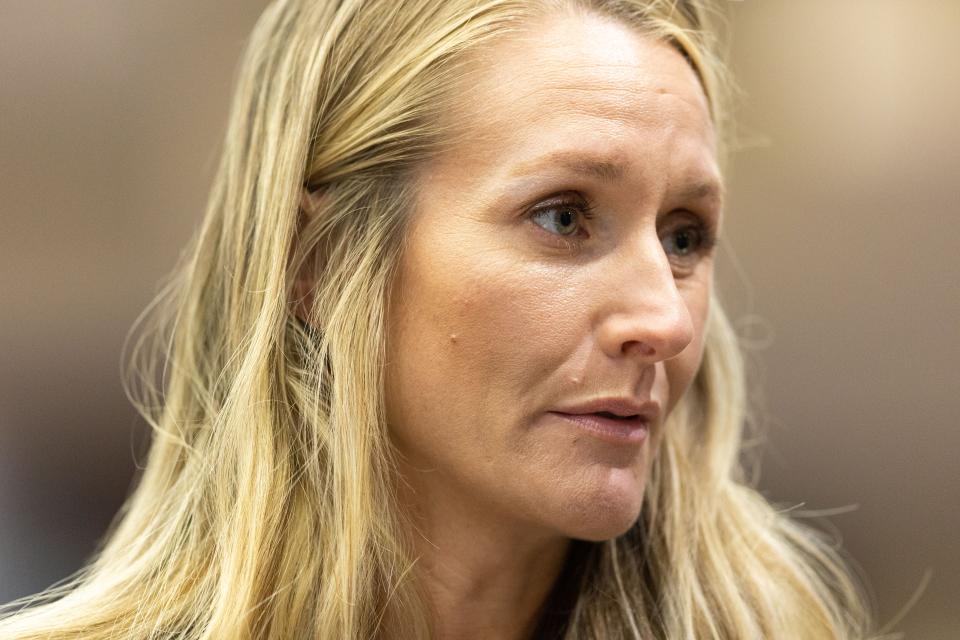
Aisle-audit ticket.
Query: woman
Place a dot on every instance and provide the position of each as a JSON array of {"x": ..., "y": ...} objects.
[{"x": 445, "y": 358}]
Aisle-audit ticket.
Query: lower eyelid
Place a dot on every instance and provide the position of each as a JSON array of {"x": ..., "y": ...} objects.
[
  {"x": 557, "y": 241},
  {"x": 561, "y": 240}
]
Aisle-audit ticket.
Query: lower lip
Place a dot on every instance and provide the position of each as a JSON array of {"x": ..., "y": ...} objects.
[{"x": 631, "y": 431}]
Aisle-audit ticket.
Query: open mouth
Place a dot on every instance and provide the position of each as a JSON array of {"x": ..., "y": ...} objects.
[
  {"x": 626, "y": 430},
  {"x": 607, "y": 414}
]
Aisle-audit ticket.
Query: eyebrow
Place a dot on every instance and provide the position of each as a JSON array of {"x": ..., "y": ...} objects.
[
  {"x": 701, "y": 190},
  {"x": 601, "y": 169},
  {"x": 611, "y": 171}
]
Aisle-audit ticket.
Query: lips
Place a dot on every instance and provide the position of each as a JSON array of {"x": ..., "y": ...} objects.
[
  {"x": 616, "y": 408},
  {"x": 626, "y": 430},
  {"x": 607, "y": 414},
  {"x": 619, "y": 420}
]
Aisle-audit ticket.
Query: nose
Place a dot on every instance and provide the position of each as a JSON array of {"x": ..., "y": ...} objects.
[{"x": 647, "y": 316}]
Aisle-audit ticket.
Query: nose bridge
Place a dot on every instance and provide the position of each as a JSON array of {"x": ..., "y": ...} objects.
[{"x": 648, "y": 314}]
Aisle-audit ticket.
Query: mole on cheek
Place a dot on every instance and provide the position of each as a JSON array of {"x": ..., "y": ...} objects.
[{"x": 453, "y": 337}]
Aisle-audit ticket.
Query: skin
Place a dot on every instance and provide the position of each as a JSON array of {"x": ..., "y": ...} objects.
[{"x": 493, "y": 323}]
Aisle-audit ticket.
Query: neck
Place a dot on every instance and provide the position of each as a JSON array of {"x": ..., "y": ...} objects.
[{"x": 485, "y": 576}]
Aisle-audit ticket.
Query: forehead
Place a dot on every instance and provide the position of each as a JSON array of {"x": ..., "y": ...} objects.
[
  {"x": 582, "y": 81},
  {"x": 563, "y": 55}
]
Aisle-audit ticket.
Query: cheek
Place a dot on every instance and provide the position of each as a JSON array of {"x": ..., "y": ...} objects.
[
  {"x": 471, "y": 331},
  {"x": 682, "y": 369}
]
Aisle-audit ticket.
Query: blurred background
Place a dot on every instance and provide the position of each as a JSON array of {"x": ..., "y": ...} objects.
[{"x": 840, "y": 265}]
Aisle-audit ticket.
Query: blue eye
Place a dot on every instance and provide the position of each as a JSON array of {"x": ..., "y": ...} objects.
[
  {"x": 563, "y": 218},
  {"x": 690, "y": 239},
  {"x": 685, "y": 241}
]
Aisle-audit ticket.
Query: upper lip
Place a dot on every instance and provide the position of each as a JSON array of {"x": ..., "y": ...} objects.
[{"x": 623, "y": 407}]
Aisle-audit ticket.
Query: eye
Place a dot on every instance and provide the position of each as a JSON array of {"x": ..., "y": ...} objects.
[
  {"x": 684, "y": 241},
  {"x": 687, "y": 240},
  {"x": 562, "y": 216}
]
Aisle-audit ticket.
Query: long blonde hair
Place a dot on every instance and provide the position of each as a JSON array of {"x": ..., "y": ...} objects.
[{"x": 266, "y": 506}]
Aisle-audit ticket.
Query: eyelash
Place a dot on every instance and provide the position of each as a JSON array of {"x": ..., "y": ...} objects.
[{"x": 704, "y": 227}]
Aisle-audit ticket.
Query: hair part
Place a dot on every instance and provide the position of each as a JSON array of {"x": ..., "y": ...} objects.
[{"x": 267, "y": 506}]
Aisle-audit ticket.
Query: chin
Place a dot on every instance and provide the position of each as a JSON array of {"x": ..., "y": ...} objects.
[{"x": 603, "y": 514}]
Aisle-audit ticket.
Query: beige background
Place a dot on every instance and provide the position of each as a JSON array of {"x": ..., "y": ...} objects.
[{"x": 840, "y": 261}]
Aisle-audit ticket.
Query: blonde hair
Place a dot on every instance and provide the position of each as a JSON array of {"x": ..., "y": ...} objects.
[{"x": 266, "y": 507}]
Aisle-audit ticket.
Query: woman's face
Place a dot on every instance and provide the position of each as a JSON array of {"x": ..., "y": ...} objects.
[{"x": 560, "y": 255}]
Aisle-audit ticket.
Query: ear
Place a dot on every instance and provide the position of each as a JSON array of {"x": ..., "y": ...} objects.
[
  {"x": 310, "y": 200},
  {"x": 305, "y": 279}
]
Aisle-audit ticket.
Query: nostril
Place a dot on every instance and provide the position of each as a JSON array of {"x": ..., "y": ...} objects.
[{"x": 644, "y": 348}]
